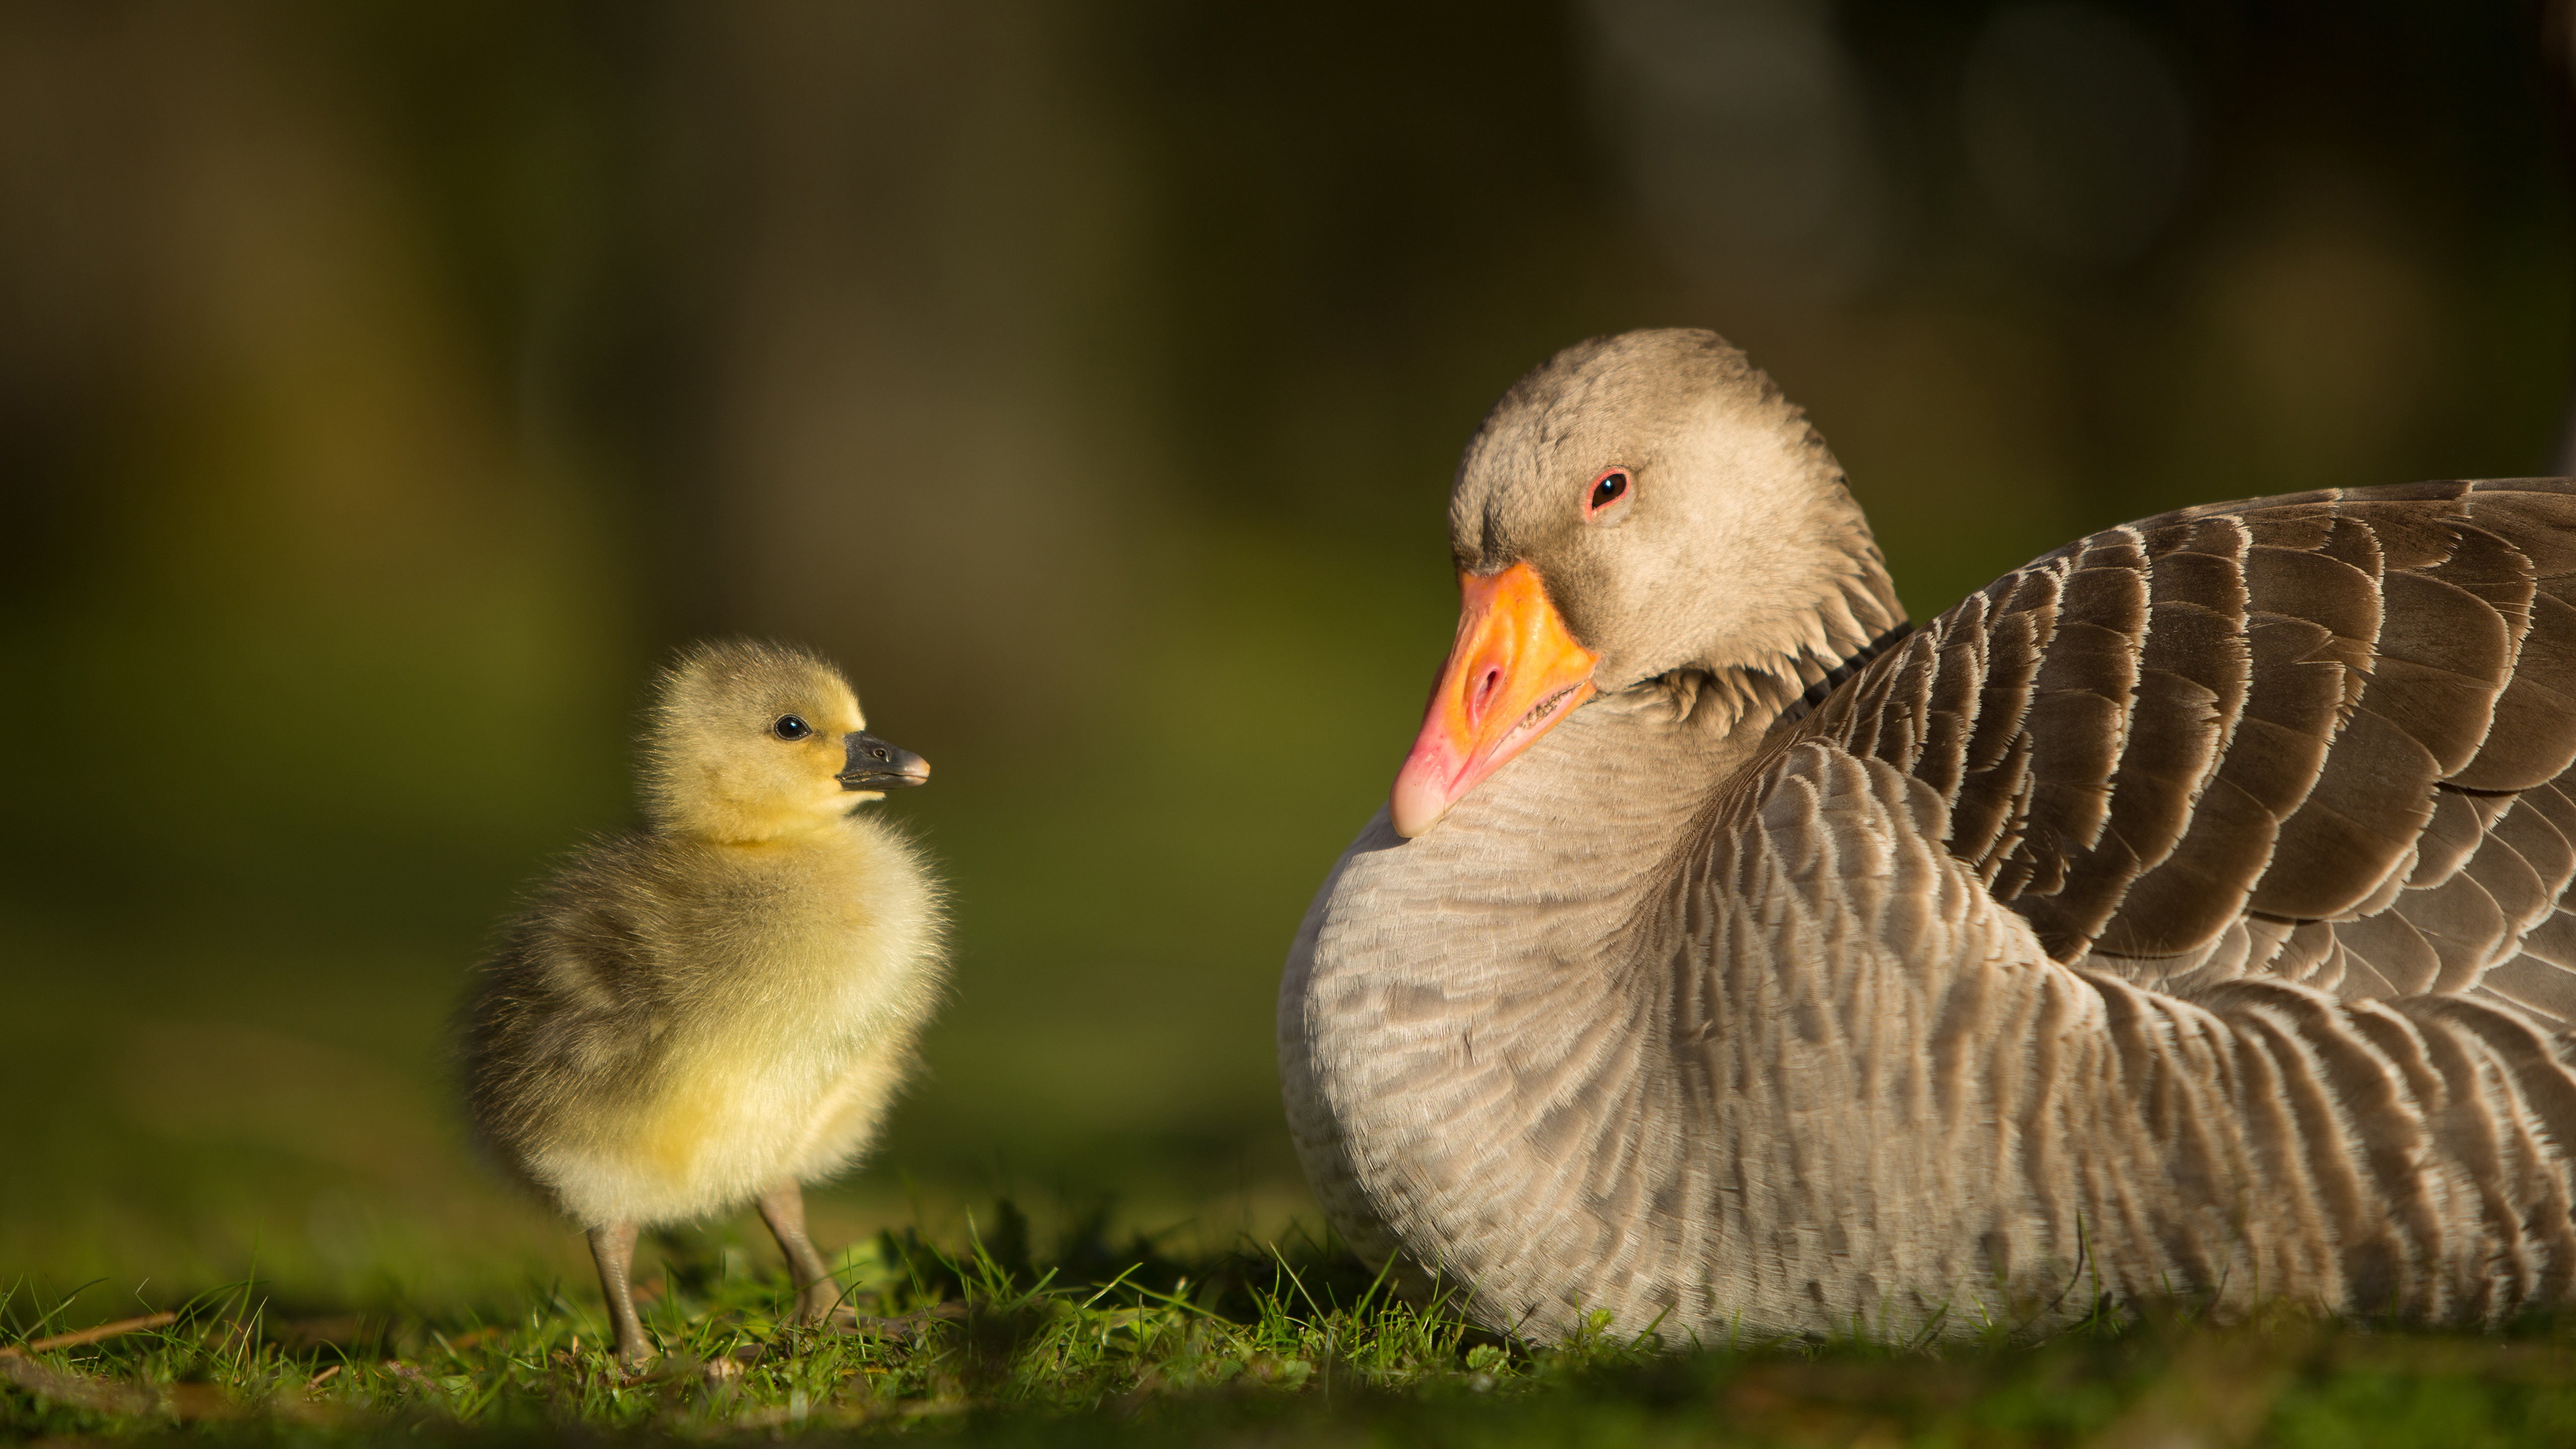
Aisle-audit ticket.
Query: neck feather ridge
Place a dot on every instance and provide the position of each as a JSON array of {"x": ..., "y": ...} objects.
[{"x": 1440, "y": 986}]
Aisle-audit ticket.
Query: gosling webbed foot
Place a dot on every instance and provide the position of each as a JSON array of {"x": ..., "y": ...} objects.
[
  {"x": 902, "y": 1328},
  {"x": 820, "y": 1304}
]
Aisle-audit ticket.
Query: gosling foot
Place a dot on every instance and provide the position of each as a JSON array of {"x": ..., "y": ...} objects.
[
  {"x": 820, "y": 1303},
  {"x": 902, "y": 1328}
]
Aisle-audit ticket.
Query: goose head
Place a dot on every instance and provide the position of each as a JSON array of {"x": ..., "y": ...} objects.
[
  {"x": 751, "y": 742},
  {"x": 1641, "y": 513}
]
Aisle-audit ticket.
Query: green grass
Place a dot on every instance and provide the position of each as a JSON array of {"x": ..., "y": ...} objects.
[{"x": 984, "y": 1341}]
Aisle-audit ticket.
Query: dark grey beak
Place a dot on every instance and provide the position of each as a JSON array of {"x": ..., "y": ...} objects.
[{"x": 875, "y": 765}]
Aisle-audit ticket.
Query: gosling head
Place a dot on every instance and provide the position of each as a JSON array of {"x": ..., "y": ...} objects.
[
  {"x": 1637, "y": 508},
  {"x": 750, "y": 742}
]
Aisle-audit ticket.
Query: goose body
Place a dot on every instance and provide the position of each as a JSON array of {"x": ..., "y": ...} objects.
[
  {"x": 2180, "y": 915},
  {"x": 719, "y": 1008}
]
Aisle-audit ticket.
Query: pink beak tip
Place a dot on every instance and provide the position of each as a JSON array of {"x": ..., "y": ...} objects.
[{"x": 1413, "y": 807}]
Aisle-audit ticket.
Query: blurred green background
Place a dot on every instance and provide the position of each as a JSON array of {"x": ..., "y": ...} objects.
[{"x": 386, "y": 385}]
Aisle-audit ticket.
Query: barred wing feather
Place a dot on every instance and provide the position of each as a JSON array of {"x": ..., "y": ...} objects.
[{"x": 2320, "y": 738}]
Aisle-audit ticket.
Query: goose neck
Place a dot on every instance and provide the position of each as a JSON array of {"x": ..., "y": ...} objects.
[
  {"x": 1593, "y": 807},
  {"x": 1553, "y": 853}
]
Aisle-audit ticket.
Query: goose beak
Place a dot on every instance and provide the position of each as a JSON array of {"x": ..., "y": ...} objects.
[
  {"x": 872, "y": 764},
  {"x": 1514, "y": 672}
]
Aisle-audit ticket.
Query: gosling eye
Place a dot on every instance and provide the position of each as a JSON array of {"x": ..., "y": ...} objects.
[
  {"x": 1608, "y": 488},
  {"x": 791, "y": 727}
]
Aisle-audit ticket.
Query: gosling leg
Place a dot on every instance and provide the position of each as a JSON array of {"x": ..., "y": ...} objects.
[
  {"x": 783, "y": 1208},
  {"x": 612, "y": 1247}
]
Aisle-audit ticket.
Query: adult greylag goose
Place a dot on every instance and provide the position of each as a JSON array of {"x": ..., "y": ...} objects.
[
  {"x": 717, "y": 1009},
  {"x": 2184, "y": 913}
]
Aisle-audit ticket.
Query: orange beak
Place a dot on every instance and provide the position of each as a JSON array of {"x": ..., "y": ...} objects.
[{"x": 1514, "y": 672}]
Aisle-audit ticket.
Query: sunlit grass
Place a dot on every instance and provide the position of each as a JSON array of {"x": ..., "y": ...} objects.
[{"x": 1289, "y": 1343}]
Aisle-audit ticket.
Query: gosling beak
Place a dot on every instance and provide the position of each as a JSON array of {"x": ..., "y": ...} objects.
[
  {"x": 875, "y": 765},
  {"x": 1514, "y": 672}
]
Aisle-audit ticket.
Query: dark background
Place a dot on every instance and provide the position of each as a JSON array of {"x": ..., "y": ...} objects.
[{"x": 386, "y": 385}]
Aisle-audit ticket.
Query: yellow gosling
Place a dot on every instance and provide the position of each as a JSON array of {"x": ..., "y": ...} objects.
[{"x": 718, "y": 1009}]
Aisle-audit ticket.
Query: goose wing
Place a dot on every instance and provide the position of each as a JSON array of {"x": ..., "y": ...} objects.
[{"x": 2323, "y": 737}]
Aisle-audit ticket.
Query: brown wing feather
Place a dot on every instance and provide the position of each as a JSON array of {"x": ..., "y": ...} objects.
[{"x": 2322, "y": 738}]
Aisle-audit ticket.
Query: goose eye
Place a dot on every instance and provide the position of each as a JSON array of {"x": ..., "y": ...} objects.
[
  {"x": 1607, "y": 489},
  {"x": 790, "y": 727}
]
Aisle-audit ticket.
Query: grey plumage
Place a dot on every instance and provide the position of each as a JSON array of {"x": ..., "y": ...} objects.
[
  {"x": 2180, "y": 914},
  {"x": 2334, "y": 717}
]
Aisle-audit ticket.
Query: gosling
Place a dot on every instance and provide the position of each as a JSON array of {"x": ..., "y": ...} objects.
[{"x": 717, "y": 1009}]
